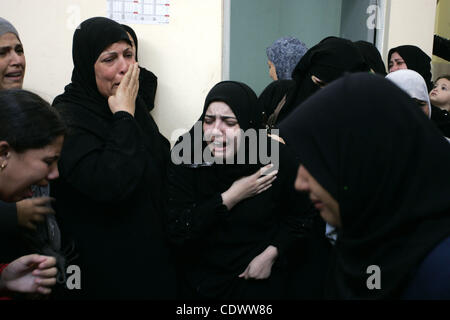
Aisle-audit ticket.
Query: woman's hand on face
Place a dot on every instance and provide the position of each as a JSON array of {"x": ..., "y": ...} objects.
[
  {"x": 249, "y": 186},
  {"x": 261, "y": 266},
  {"x": 125, "y": 97}
]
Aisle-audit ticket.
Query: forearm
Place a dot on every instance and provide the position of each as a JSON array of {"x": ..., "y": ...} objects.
[{"x": 230, "y": 198}]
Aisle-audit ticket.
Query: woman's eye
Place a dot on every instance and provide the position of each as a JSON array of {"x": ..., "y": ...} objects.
[{"x": 231, "y": 123}]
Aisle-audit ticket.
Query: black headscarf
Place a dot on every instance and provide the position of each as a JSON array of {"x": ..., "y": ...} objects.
[
  {"x": 364, "y": 140},
  {"x": 134, "y": 36},
  {"x": 372, "y": 56},
  {"x": 81, "y": 99},
  {"x": 416, "y": 60},
  {"x": 328, "y": 60},
  {"x": 269, "y": 99},
  {"x": 148, "y": 82},
  {"x": 242, "y": 101}
]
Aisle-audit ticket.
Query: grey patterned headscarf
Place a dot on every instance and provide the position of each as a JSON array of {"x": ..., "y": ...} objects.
[
  {"x": 285, "y": 53},
  {"x": 6, "y": 26}
]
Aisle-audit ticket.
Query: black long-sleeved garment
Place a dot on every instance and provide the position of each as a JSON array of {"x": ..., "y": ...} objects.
[
  {"x": 216, "y": 245},
  {"x": 109, "y": 197},
  {"x": 106, "y": 205}
]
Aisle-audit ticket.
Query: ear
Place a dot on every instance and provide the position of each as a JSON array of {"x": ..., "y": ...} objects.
[{"x": 5, "y": 150}]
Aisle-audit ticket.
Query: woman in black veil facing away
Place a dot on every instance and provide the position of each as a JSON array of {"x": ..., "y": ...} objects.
[
  {"x": 148, "y": 82},
  {"x": 112, "y": 172},
  {"x": 234, "y": 227},
  {"x": 366, "y": 165}
]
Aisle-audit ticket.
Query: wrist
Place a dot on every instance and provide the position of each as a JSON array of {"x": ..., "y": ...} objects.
[
  {"x": 271, "y": 252},
  {"x": 229, "y": 199}
]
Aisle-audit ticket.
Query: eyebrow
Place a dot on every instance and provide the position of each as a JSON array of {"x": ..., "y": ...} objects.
[
  {"x": 221, "y": 117},
  {"x": 115, "y": 52}
]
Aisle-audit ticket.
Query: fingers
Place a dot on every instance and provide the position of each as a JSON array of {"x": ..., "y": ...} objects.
[
  {"x": 31, "y": 259},
  {"x": 30, "y": 225},
  {"x": 48, "y": 262},
  {"x": 127, "y": 78},
  {"x": 45, "y": 273},
  {"x": 41, "y": 201},
  {"x": 265, "y": 170},
  {"x": 45, "y": 282},
  {"x": 134, "y": 80},
  {"x": 245, "y": 273},
  {"x": 44, "y": 290}
]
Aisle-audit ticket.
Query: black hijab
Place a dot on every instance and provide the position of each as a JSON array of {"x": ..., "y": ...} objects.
[
  {"x": 328, "y": 60},
  {"x": 242, "y": 101},
  {"x": 82, "y": 105},
  {"x": 372, "y": 56},
  {"x": 364, "y": 140},
  {"x": 416, "y": 60},
  {"x": 134, "y": 36},
  {"x": 148, "y": 82},
  {"x": 269, "y": 99}
]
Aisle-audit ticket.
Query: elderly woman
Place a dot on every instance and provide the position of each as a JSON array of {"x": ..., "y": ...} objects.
[
  {"x": 112, "y": 172},
  {"x": 372, "y": 165},
  {"x": 27, "y": 157}
]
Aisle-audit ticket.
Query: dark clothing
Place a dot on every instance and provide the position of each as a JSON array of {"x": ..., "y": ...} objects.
[
  {"x": 416, "y": 60},
  {"x": 109, "y": 195},
  {"x": 328, "y": 60},
  {"x": 366, "y": 143},
  {"x": 217, "y": 245},
  {"x": 372, "y": 56},
  {"x": 268, "y": 100},
  {"x": 11, "y": 245},
  {"x": 441, "y": 47},
  {"x": 8, "y": 218},
  {"x": 111, "y": 186},
  {"x": 432, "y": 279},
  {"x": 441, "y": 119},
  {"x": 148, "y": 82}
]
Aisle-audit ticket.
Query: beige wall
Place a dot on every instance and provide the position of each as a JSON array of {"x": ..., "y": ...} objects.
[
  {"x": 409, "y": 22},
  {"x": 186, "y": 54}
]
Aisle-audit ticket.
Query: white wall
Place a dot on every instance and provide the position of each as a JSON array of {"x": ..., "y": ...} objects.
[
  {"x": 409, "y": 22},
  {"x": 186, "y": 54}
]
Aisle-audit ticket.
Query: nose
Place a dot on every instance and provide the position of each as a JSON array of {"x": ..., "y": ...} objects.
[
  {"x": 16, "y": 59},
  {"x": 301, "y": 183},
  {"x": 123, "y": 65},
  {"x": 53, "y": 173}
]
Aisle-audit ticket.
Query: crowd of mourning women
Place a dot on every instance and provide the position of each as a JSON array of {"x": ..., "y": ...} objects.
[{"x": 343, "y": 193}]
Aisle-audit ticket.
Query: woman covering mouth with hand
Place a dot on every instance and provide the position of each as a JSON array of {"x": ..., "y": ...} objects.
[{"x": 112, "y": 169}]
